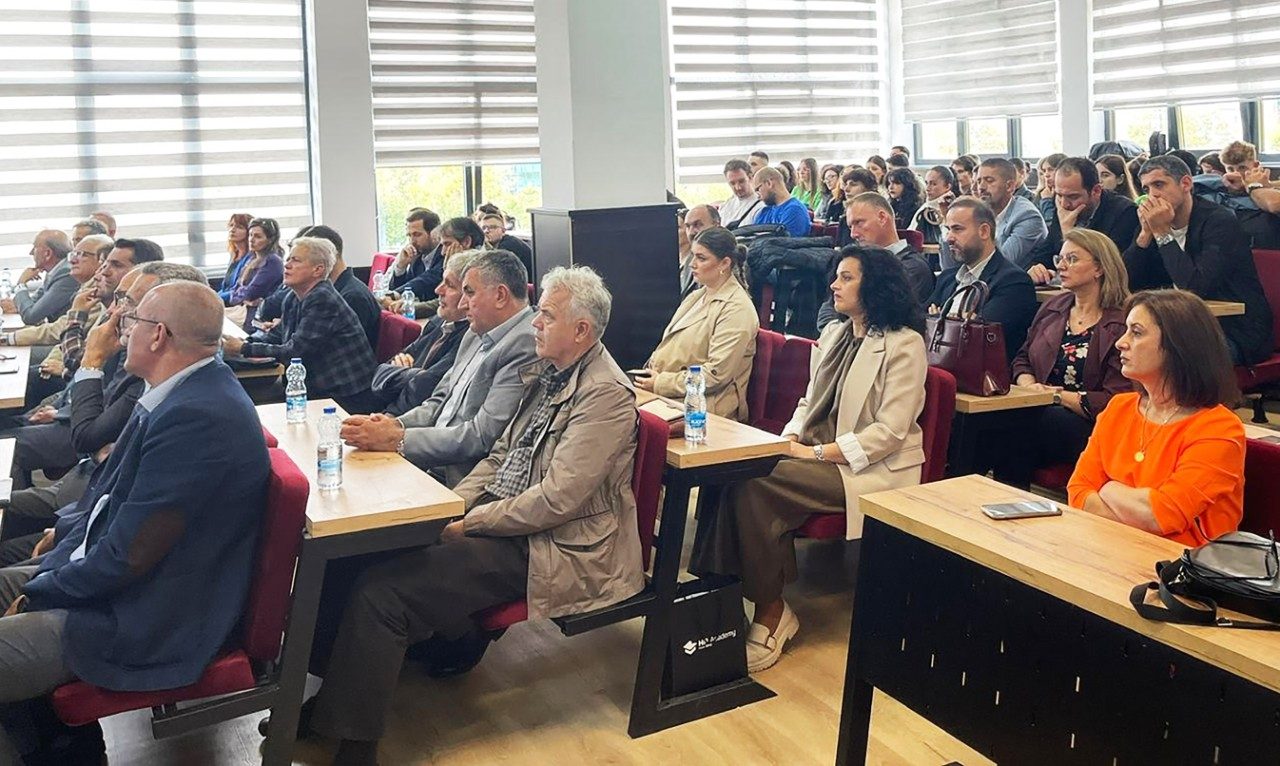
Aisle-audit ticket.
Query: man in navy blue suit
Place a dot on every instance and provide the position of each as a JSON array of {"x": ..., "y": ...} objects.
[{"x": 150, "y": 575}]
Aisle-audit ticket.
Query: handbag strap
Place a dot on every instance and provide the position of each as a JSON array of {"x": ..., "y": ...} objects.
[
  {"x": 1201, "y": 611},
  {"x": 944, "y": 314}
]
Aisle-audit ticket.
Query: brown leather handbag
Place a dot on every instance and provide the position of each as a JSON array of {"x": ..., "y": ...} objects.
[{"x": 967, "y": 346}]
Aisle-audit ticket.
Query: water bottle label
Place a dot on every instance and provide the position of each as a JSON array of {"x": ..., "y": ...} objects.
[
  {"x": 295, "y": 406},
  {"x": 695, "y": 420}
]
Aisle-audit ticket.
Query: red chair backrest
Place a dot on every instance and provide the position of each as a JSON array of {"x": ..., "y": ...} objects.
[
  {"x": 270, "y": 438},
  {"x": 831, "y": 230},
  {"x": 394, "y": 333},
  {"x": 381, "y": 262},
  {"x": 768, "y": 347},
  {"x": 1261, "y": 487},
  {"x": 787, "y": 383},
  {"x": 935, "y": 422},
  {"x": 914, "y": 238},
  {"x": 1267, "y": 262},
  {"x": 281, "y": 538},
  {"x": 652, "y": 434}
]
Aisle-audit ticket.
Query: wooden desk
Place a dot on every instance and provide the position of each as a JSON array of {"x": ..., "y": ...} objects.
[
  {"x": 385, "y": 504},
  {"x": 11, "y": 322},
  {"x": 1019, "y": 397},
  {"x": 931, "y": 249},
  {"x": 1217, "y": 308},
  {"x": 1018, "y": 638},
  {"x": 981, "y": 416},
  {"x": 13, "y": 385},
  {"x": 1263, "y": 433},
  {"x": 6, "y": 464},
  {"x": 248, "y": 373}
]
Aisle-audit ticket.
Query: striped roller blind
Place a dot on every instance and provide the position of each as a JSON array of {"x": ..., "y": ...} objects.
[
  {"x": 1168, "y": 52},
  {"x": 979, "y": 58},
  {"x": 168, "y": 114},
  {"x": 454, "y": 82},
  {"x": 795, "y": 78}
]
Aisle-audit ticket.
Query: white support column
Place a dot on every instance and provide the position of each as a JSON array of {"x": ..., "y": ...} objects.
[
  {"x": 341, "y": 98},
  {"x": 893, "y": 124},
  {"x": 603, "y": 92},
  {"x": 1075, "y": 67}
]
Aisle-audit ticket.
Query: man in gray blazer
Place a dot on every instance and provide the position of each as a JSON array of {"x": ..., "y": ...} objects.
[
  {"x": 1020, "y": 228},
  {"x": 37, "y": 302},
  {"x": 457, "y": 426}
]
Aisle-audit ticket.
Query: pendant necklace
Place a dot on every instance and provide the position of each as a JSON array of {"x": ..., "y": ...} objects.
[{"x": 1141, "y": 454}]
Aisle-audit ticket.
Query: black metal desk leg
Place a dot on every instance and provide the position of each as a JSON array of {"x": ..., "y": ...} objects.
[
  {"x": 962, "y": 455},
  {"x": 855, "y": 708},
  {"x": 277, "y": 750}
]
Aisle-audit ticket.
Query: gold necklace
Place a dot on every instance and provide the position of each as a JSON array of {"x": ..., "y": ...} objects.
[{"x": 1141, "y": 454}]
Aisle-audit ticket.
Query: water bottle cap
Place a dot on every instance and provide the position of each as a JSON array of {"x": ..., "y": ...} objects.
[
  {"x": 695, "y": 368},
  {"x": 331, "y": 410},
  {"x": 296, "y": 360}
]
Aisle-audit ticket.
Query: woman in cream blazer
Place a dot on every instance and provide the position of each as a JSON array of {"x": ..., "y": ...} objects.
[
  {"x": 854, "y": 432},
  {"x": 714, "y": 327}
]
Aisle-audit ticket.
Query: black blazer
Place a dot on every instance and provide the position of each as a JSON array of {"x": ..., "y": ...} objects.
[
  {"x": 1116, "y": 216},
  {"x": 1011, "y": 302},
  {"x": 1217, "y": 265}
]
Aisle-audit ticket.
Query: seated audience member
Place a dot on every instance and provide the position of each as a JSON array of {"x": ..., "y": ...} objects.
[
  {"x": 964, "y": 168},
  {"x": 1113, "y": 174},
  {"x": 853, "y": 181},
  {"x": 237, "y": 252},
  {"x": 871, "y": 221},
  {"x": 788, "y": 172},
  {"x": 1188, "y": 242},
  {"x": 833, "y": 194},
  {"x": 1253, "y": 197},
  {"x": 421, "y": 252},
  {"x": 854, "y": 432},
  {"x": 879, "y": 168},
  {"x": 454, "y": 429},
  {"x": 971, "y": 228},
  {"x": 409, "y": 378},
  {"x": 742, "y": 205},
  {"x": 321, "y": 330},
  {"x": 1079, "y": 201},
  {"x": 697, "y": 219},
  {"x": 149, "y": 579},
  {"x": 107, "y": 220},
  {"x": 779, "y": 206},
  {"x": 1211, "y": 164},
  {"x": 901, "y": 151},
  {"x": 494, "y": 228},
  {"x": 1045, "y": 172},
  {"x": 355, "y": 292},
  {"x": 808, "y": 188},
  {"x": 714, "y": 327},
  {"x": 1020, "y": 184},
  {"x": 905, "y": 196},
  {"x": 262, "y": 272},
  {"x": 42, "y": 300},
  {"x": 87, "y": 228},
  {"x": 940, "y": 189},
  {"x": 897, "y": 161},
  {"x": 757, "y": 160},
  {"x": 1168, "y": 458},
  {"x": 1020, "y": 229},
  {"x": 550, "y": 519},
  {"x": 84, "y": 260},
  {"x": 1070, "y": 349},
  {"x": 456, "y": 235}
]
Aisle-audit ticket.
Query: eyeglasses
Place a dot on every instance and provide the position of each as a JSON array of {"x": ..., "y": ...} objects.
[
  {"x": 78, "y": 254},
  {"x": 493, "y": 227},
  {"x": 127, "y": 321},
  {"x": 1061, "y": 260}
]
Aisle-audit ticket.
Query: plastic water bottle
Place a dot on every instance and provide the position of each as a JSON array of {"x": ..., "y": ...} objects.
[
  {"x": 379, "y": 285},
  {"x": 295, "y": 392},
  {"x": 329, "y": 451},
  {"x": 407, "y": 307},
  {"x": 6, "y": 284},
  {"x": 695, "y": 406}
]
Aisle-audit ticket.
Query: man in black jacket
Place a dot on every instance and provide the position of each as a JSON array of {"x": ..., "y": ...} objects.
[
  {"x": 1012, "y": 298},
  {"x": 1193, "y": 244},
  {"x": 1081, "y": 202},
  {"x": 494, "y": 226}
]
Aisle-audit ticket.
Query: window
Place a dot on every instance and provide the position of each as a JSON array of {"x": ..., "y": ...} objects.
[
  {"x": 439, "y": 189},
  {"x": 514, "y": 189},
  {"x": 1271, "y": 126},
  {"x": 1041, "y": 135},
  {"x": 796, "y": 78},
  {"x": 170, "y": 116},
  {"x": 1137, "y": 125},
  {"x": 988, "y": 136},
  {"x": 1209, "y": 126},
  {"x": 938, "y": 140}
]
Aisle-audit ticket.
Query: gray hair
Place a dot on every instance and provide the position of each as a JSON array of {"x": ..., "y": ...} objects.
[
  {"x": 588, "y": 297},
  {"x": 502, "y": 267},
  {"x": 92, "y": 224},
  {"x": 458, "y": 263},
  {"x": 99, "y": 243},
  {"x": 320, "y": 252},
  {"x": 1176, "y": 168},
  {"x": 166, "y": 272}
]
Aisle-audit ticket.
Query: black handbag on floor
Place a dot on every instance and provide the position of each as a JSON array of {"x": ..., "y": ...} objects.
[{"x": 1239, "y": 571}]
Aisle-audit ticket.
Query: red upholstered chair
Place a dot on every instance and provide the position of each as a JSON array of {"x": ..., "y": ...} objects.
[
  {"x": 768, "y": 346},
  {"x": 935, "y": 427},
  {"x": 816, "y": 228},
  {"x": 1254, "y": 378},
  {"x": 646, "y": 483},
  {"x": 272, "y": 441},
  {"x": 831, "y": 230},
  {"x": 394, "y": 333},
  {"x": 381, "y": 262},
  {"x": 764, "y": 309},
  {"x": 914, "y": 238},
  {"x": 1261, "y": 488},
  {"x": 787, "y": 383},
  {"x": 266, "y": 609},
  {"x": 1054, "y": 476}
]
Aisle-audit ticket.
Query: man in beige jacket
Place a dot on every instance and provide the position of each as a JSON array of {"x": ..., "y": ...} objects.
[{"x": 551, "y": 519}]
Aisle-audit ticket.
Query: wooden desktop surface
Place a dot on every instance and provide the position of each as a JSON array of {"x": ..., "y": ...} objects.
[
  {"x": 379, "y": 489},
  {"x": 727, "y": 441},
  {"x": 1217, "y": 308},
  {"x": 1082, "y": 559},
  {"x": 6, "y": 464},
  {"x": 13, "y": 385},
  {"x": 12, "y": 322},
  {"x": 1017, "y": 398}
]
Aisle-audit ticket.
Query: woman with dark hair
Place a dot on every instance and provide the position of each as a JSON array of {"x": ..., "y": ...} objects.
[
  {"x": 854, "y": 432},
  {"x": 962, "y": 168},
  {"x": 905, "y": 196},
  {"x": 879, "y": 168},
  {"x": 263, "y": 271},
  {"x": 808, "y": 187},
  {"x": 237, "y": 248},
  {"x": 1114, "y": 176},
  {"x": 1044, "y": 173},
  {"x": 788, "y": 172},
  {"x": 1168, "y": 458},
  {"x": 714, "y": 327},
  {"x": 940, "y": 191},
  {"x": 832, "y": 208},
  {"x": 1211, "y": 164}
]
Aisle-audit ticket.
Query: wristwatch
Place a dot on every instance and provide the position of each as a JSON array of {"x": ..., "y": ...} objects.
[
  {"x": 817, "y": 453},
  {"x": 1164, "y": 239},
  {"x": 1251, "y": 188},
  {"x": 1057, "y": 397}
]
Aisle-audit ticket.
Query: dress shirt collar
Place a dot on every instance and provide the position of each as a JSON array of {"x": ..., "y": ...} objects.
[
  {"x": 897, "y": 247},
  {"x": 975, "y": 271},
  {"x": 152, "y": 397},
  {"x": 492, "y": 338}
]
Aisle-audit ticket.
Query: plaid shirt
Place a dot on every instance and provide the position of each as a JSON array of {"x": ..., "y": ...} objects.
[
  {"x": 512, "y": 477},
  {"x": 78, "y": 325},
  {"x": 325, "y": 333}
]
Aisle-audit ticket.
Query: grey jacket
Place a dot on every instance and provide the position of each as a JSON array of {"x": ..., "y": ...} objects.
[
  {"x": 52, "y": 299},
  {"x": 1020, "y": 232},
  {"x": 579, "y": 512},
  {"x": 488, "y": 403}
]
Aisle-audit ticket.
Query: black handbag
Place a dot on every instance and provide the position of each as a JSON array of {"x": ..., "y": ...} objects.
[{"x": 1239, "y": 571}]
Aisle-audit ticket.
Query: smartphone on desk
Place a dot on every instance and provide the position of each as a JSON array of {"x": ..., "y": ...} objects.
[
  {"x": 1022, "y": 509},
  {"x": 8, "y": 367}
]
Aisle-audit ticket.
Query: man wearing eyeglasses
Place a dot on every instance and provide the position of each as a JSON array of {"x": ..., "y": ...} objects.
[
  {"x": 496, "y": 237},
  {"x": 84, "y": 261}
]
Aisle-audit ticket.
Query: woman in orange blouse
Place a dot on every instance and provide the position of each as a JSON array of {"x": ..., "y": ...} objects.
[{"x": 1168, "y": 458}]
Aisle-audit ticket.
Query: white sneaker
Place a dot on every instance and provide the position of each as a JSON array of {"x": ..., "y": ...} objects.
[{"x": 764, "y": 649}]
